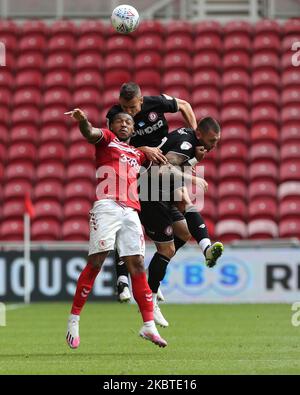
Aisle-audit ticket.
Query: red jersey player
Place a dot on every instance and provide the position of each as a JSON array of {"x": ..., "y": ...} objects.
[{"x": 114, "y": 220}]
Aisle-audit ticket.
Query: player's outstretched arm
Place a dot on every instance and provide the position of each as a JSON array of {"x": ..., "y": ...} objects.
[
  {"x": 87, "y": 130},
  {"x": 154, "y": 154},
  {"x": 187, "y": 112}
]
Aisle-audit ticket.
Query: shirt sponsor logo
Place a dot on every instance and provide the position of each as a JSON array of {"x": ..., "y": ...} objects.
[
  {"x": 149, "y": 129},
  {"x": 186, "y": 146}
]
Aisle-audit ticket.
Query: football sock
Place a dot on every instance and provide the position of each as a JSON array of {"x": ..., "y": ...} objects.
[
  {"x": 157, "y": 270},
  {"x": 196, "y": 224},
  {"x": 178, "y": 243},
  {"x": 84, "y": 285},
  {"x": 142, "y": 295},
  {"x": 154, "y": 297},
  {"x": 121, "y": 269}
]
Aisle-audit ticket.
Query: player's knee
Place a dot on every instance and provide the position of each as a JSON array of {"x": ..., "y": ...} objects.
[
  {"x": 167, "y": 250},
  {"x": 138, "y": 265},
  {"x": 97, "y": 260}
]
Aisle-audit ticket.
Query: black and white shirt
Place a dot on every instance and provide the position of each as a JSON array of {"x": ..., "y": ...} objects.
[{"x": 182, "y": 141}]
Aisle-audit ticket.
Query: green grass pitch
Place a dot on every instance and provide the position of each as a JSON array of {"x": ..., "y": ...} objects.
[{"x": 203, "y": 339}]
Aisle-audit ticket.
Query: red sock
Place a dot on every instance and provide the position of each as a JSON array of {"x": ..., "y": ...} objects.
[
  {"x": 143, "y": 295},
  {"x": 84, "y": 285}
]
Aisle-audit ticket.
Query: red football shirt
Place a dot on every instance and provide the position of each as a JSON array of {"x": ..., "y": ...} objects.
[{"x": 117, "y": 168}]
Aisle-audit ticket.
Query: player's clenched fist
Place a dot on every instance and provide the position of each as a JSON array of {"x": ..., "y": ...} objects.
[
  {"x": 200, "y": 153},
  {"x": 77, "y": 114}
]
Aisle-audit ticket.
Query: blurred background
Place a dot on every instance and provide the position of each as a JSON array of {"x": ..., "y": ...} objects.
[{"x": 234, "y": 60}]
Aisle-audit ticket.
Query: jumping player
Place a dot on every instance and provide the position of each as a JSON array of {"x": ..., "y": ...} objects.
[{"x": 114, "y": 220}]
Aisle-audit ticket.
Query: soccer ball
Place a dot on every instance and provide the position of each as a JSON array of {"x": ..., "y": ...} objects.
[{"x": 125, "y": 19}]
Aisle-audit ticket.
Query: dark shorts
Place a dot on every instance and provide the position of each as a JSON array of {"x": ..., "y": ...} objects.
[{"x": 158, "y": 218}]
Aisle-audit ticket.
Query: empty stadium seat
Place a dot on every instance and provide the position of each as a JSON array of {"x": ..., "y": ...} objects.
[
  {"x": 232, "y": 208},
  {"x": 54, "y": 133},
  {"x": 228, "y": 230},
  {"x": 75, "y": 229},
  {"x": 88, "y": 96},
  {"x": 52, "y": 152},
  {"x": 13, "y": 209},
  {"x": 265, "y": 95},
  {"x": 262, "y": 188},
  {"x": 264, "y": 151},
  {"x": 78, "y": 208},
  {"x": 16, "y": 189},
  {"x": 289, "y": 190},
  {"x": 205, "y": 77},
  {"x": 290, "y": 208},
  {"x": 209, "y": 95},
  {"x": 90, "y": 42},
  {"x": 25, "y": 150},
  {"x": 149, "y": 42},
  {"x": 232, "y": 150},
  {"x": 58, "y": 79},
  {"x": 50, "y": 171},
  {"x": 290, "y": 171},
  {"x": 262, "y": 229},
  {"x": 264, "y": 169},
  {"x": 232, "y": 188},
  {"x": 119, "y": 43},
  {"x": 45, "y": 229},
  {"x": 235, "y": 131},
  {"x": 233, "y": 170},
  {"x": 48, "y": 209},
  {"x": 263, "y": 208},
  {"x": 88, "y": 78},
  {"x": 49, "y": 189},
  {"x": 290, "y": 132},
  {"x": 121, "y": 60},
  {"x": 27, "y": 96},
  {"x": 12, "y": 230},
  {"x": 206, "y": 59},
  {"x": 59, "y": 60},
  {"x": 289, "y": 227},
  {"x": 235, "y": 95},
  {"x": 177, "y": 60},
  {"x": 21, "y": 170},
  {"x": 81, "y": 170},
  {"x": 32, "y": 60},
  {"x": 89, "y": 61},
  {"x": 207, "y": 41},
  {"x": 80, "y": 190},
  {"x": 115, "y": 78},
  {"x": 264, "y": 131}
]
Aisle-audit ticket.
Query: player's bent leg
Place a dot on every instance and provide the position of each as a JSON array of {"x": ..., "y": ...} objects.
[{"x": 84, "y": 285}]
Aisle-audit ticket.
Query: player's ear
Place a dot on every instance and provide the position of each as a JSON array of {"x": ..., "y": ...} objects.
[{"x": 142, "y": 99}]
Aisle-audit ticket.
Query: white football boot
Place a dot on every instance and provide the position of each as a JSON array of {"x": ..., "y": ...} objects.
[
  {"x": 72, "y": 336},
  {"x": 159, "y": 319},
  {"x": 160, "y": 296},
  {"x": 150, "y": 332}
]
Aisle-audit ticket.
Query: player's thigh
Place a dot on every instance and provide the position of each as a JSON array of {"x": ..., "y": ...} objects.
[
  {"x": 130, "y": 237},
  {"x": 181, "y": 230},
  {"x": 157, "y": 220},
  {"x": 105, "y": 221}
]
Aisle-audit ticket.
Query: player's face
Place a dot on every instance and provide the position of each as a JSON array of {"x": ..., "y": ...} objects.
[
  {"x": 133, "y": 106},
  {"x": 122, "y": 127},
  {"x": 209, "y": 140}
]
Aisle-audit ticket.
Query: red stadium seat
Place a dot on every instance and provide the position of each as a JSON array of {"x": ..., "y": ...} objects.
[
  {"x": 110, "y": 97},
  {"x": 25, "y": 114},
  {"x": 57, "y": 96},
  {"x": 289, "y": 227},
  {"x": 262, "y": 229},
  {"x": 32, "y": 42},
  {"x": 265, "y": 112},
  {"x": 34, "y": 26},
  {"x": 59, "y": 60},
  {"x": 264, "y": 151},
  {"x": 28, "y": 78},
  {"x": 179, "y": 27},
  {"x": 290, "y": 132},
  {"x": 147, "y": 60},
  {"x": 206, "y": 78},
  {"x": 25, "y": 151},
  {"x": 231, "y": 229},
  {"x": 54, "y": 133},
  {"x": 51, "y": 171},
  {"x": 238, "y": 26},
  {"x": 290, "y": 171},
  {"x": 290, "y": 151},
  {"x": 235, "y": 95},
  {"x": 47, "y": 230},
  {"x": 52, "y": 152},
  {"x": 11, "y": 230},
  {"x": 266, "y": 26},
  {"x": 235, "y": 131},
  {"x": 61, "y": 42},
  {"x": 290, "y": 78},
  {"x": 289, "y": 40},
  {"x": 232, "y": 208},
  {"x": 290, "y": 208},
  {"x": 149, "y": 42},
  {"x": 88, "y": 96},
  {"x": 290, "y": 112},
  {"x": 91, "y": 42},
  {"x": 179, "y": 92},
  {"x": 4, "y": 115},
  {"x": 6, "y": 78},
  {"x": 236, "y": 150},
  {"x": 177, "y": 60},
  {"x": 264, "y": 131},
  {"x": 235, "y": 112},
  {"x": 262, "y": 188},
  {"x": 89, "y": 61},
  {"x": 8, "y": 26},
  {"x": 80, "y": 190},
  {"x": 5, "y": 97},
  {"x": 3, "y": 134},
  {"x": 287, "y": 62},
  {"x": 55, "y": 114},
  {"x": 263, "y": 169},
  {"x": 88, "y": 79},
  {"x": 237, "y": 41},
  {"x": 176, "y": 78},
  {"x": 58, "y": 79},
  {"x": 20, "y": 171},
  {"x": 148, "y": 78},
  {"x": 30, "y": 61},
  {"x": 267, "y": 76},
  {"x": 291, "y": 26},
  {"x": 119, "y": 43},
  {"x": 232, "y": 171},
  {"x": 27, "y": 96},
  {"x": 208, "y": 110},
  {"x": 49, "y": 189},
  {"x": 231, "y": 189},
  {"x": 263, "y": 208},
  {"x": 290, "y": 96},
  {"x": 206, "y": 59},
  {"x": 76, "y": 209},
  {"x": 13, "y": 209},
  {"x": 62, "y": 26},
  {"x": 149, "y": 26},
  {"x": 81, "y": 170},
  {"x": 208, "y": 26},
  {"x": 16, "y": 189},
  {"x": 207, "y": 95},
  {"x": 209, "y": 167},
  {"x": 207, "y": 42},
  {"x": 266, "y": 42},
  {"x": 265, "y": 59},
  {"x": 179, "y": 42},
  {"x": 117, "y": 78},
  {"x": 265, "y": 95},
  {"x": 48, "y": 209},
  {"x": 92, "y": 112},
  {"x": 91, "y": 26},
  {"x": 81, "y": 151},
  {"x": 76, "y": 230},
  {"x": 236, "y": 77},
  {"x": 289, "y": 190},
  {"x": 118, "y": 61},
  {"x": 237, "y": 58}
]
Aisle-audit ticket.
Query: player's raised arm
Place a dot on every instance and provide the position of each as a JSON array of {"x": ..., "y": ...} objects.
[
  {"x": 87, "y": 130},
  {"x": 187, "y": 112}
]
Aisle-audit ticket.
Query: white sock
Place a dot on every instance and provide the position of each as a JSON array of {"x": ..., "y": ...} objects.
[
  {"x": 74, "y": 317},
  {"x": 151, "y": 325},
  {"x": 204, "y": 243},
  {"x": 122, "y": 279},
  {"x": 154, "y": 298}
]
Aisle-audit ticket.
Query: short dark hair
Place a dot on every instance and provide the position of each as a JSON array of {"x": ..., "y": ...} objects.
[
  {"x": 129, "y": 90},
  {"x": 115, "y": 116},
  {"x": 208, "y": 123}
]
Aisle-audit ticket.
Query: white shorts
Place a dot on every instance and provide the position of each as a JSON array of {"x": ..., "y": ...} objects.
[{"x": 113, "y": 226}]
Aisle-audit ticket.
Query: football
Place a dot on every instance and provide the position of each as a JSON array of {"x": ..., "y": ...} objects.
[{"x": 125, "y": 19}]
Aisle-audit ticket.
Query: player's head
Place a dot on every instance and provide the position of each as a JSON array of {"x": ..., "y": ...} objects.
[
  {"x": 122, "y": 126},
  {"x": 208, "y": 133},
  {"x": 131, "y": 98}
]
